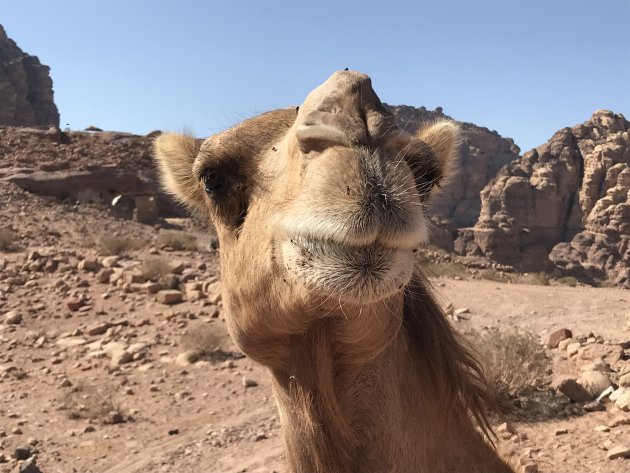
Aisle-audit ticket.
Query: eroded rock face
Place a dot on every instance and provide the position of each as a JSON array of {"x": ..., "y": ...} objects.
[
  {"x": 26, "y": 95},
  {"x": 601, "y": 248},
  {"x": 563, "y": 205},
  {"x": 482, "y": 154}
]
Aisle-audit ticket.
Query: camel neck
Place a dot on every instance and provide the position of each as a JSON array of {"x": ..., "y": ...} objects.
[{"x": 376, "y": 415}]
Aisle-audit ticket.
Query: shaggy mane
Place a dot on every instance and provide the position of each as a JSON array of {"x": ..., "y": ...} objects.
[{"x": 458, "y": 378}]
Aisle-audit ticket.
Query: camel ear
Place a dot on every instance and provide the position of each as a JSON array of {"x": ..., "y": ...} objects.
[
  {"x": 175, "y": 155},
  {"x": 443, "y": 138}
]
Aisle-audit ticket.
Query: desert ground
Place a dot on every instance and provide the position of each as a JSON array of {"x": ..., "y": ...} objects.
[{"x": 104, "y": 370}]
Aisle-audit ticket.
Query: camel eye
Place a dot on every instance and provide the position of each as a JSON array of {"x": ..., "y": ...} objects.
[{"x": 213, "y": 180}]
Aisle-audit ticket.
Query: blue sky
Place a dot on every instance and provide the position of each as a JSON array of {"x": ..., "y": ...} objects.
[{"x": 522, "y": 67}]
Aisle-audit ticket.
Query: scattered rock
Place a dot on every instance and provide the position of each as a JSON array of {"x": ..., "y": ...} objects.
[
  {"x": 29, "y": 466},
  {"x": 556, "y": 337},
  {"x": 75, "y": 304},
  {"x": 214, "y": 292},
  {"x": 22, "y": 452},
  {"x": 621, "y": 398},
  {"x": 104, "y": 275},
  {"x": 568, "y": 386},
  {"x": 573, "y": 348},
  {"x": 120, "y": 358},
  {"x": 529, "y": 468},
  {"x": 98, "y": 328},
  {"x": 595, "y": 382},
  {"x": 110, "y": 261},
  {"x": 13, "y": 318},
  {"x": 619, "y": 421},
  {"x": 88, "y": 264},
  {"x": 115, "y": 417},
  {"x": 618, "y": 451},
  {"x": 69, "y": 342},
  {"x": 169, "y": 296},
  {"x": 187, "y": 358}
]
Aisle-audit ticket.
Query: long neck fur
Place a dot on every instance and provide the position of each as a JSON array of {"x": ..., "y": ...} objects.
[{"x": 416, "y": 407}]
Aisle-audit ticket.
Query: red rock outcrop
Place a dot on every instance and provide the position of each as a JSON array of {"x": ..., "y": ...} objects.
[
  {"x": 564, "y": 205},
  {"x": 26, "y": 94}
]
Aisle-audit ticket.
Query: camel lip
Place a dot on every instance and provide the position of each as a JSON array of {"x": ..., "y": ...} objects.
[{"x": 325, "y": 245}]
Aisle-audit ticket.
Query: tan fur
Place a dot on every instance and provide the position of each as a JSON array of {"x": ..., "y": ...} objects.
[{"x": 318, "y": 222}]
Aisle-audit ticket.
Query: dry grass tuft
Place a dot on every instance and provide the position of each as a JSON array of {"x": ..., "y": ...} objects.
[
  {"x": 112, "y": 245},
  {"x": 86, "y": 401},
  {"x": 206, "y": 341},
  {"x": 515, "y": 363},
  {"x": 535, "y": 279},
  {"x": 177, "y": 240},
  {"x": 154, "y": 269},
  {"x": 435, "y": 269},
  {"x": 567, "y": 281},
  {"x": 492, "y": 274},
  {"x": 7, "y": 239}
]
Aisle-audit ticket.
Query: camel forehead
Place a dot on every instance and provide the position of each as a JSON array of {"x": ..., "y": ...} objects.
[{"x": 347, "y": 101}]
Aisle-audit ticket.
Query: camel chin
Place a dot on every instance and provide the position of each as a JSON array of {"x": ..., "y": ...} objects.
[{"x": 348, "y": 274}]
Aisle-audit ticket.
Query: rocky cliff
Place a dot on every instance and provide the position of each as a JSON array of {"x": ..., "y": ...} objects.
[
  {"x": 483, "y": 152},
  {"x": 563, "y": 206},
  {"x": 26, "y": 95}
]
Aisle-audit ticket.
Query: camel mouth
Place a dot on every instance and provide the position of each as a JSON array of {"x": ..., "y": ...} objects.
[{"x": 356, "y": 274}]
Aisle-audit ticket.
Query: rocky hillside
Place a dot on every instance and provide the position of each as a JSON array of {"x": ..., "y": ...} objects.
[
  {"x": 99, "y": 167},
  {"x": 26, "y": 95},
  {"x": 564, "y": 206}
]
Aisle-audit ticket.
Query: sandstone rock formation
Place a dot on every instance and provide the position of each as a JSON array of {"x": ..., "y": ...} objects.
[
  {"x": 564, "y": 205},
  {"x": 482, "y": 154},
  {"x": 26, "y": 95}
]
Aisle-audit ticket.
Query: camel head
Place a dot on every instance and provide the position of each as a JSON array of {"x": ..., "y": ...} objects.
[{"x": 315, "y": 205}]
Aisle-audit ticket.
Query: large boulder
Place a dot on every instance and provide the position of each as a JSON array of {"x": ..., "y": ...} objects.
[
  {"x": 524, "y": 209},
  {"x": 26, "y": 94}
]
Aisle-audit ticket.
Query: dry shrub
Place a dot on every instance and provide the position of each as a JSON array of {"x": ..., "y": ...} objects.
[
  {"x": 206, "y": 341},
  {"x": 110, "y": 245},
  {"x": 85, "y": 235},
  {"x": 515, "y": 363},
  {"x": 449, "y": 269},
  {"x": 87, "y": 401},
  {"x": 492, "y": 274},
  {"x": 567, "y": 281},
  {"x": 178, "y": 240},
  {"x": 7, "y": 239},
  {"x": 536, "y": 279},
  {"x": 154, "y": 269}
]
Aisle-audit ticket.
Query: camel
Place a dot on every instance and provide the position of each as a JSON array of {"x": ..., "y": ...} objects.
[{"x": 319, "y": 210}]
